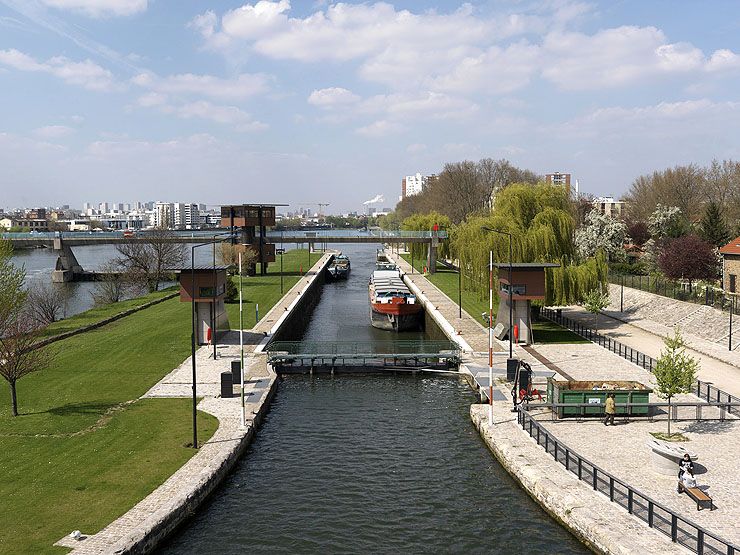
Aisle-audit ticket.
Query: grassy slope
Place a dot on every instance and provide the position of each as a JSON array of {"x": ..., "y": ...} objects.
[
  {"x": 99, "y": 313},
  {"x": 265, "y": 290},
  {"x": 447, "y": 281},
  {"x": 98, "y": 464}
]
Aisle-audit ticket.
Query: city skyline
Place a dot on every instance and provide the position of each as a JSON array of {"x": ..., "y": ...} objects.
[{"x": 310, "y": 102}]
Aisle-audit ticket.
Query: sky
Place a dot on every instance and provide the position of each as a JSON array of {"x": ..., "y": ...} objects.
[{"x": 307, "y": 102}]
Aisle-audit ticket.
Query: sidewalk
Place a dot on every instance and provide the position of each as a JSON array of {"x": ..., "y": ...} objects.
[{"x": 723, "y": 375}]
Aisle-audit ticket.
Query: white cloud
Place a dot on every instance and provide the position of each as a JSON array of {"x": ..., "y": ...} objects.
[
  {"x": 53, "y": 131},
  {"x": 332, "y": 96},
  {"x": 416, "y": 148},
  {"x": 228, "y": 115},
  {"x": 723, "y": 59},
  {"x": 86, "y": 74},
  {"x": 431, "y": 105},
  {"x": 237, "y": 88},
  {"x": 100, "y": 8},
  {"x": 380, "y": 128},
  {"x": 149, "y": 100}
]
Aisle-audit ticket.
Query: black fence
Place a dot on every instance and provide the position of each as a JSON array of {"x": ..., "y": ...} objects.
[
  {"x": 681, "y": 530},
  {"x": 707, "y": 391},
  {"x": 641, "y": 359},
  {"x": 678, "y": 290},
  {"x": 680, "y": 411}
]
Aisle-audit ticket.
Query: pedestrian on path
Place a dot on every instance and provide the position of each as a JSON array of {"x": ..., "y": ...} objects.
[{"x": 610, "y": 409}]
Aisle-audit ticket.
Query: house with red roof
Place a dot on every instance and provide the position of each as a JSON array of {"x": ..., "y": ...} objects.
[{"x": 731, "y": 266}]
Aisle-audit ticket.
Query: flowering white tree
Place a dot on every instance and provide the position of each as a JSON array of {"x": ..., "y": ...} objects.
[
  {"x": 601, "y": 232},
  {"x": 666, "y": 221}
]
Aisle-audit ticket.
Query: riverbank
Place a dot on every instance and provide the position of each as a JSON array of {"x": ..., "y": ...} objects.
[
  {"x": 83, "y": 450},
  {"x": 151, "y": 520}
]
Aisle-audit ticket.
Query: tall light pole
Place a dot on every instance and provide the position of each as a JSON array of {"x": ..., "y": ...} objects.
[
  {"x": 193, "y": 319},
  {"x": 511, "y": 289},
  {"x": 490, "y": 337}
]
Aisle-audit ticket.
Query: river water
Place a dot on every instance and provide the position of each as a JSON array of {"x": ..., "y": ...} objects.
[{"x": 368, "y": 464}]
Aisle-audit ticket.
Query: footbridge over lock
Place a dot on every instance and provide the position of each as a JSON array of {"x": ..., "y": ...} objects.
[
  {"x": 331, "y": 236},
  {"x": 305, "y": 357}
]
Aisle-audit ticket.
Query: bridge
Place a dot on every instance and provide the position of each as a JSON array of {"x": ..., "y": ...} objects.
[{"x": 328, "y": 356}]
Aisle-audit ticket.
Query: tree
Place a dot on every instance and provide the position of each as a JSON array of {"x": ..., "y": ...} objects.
[
  {"x": 675, "y": 371},
  {"x": 112, "y": 287},
  {"x": 601, "y": 232},
  {"x": 12, "y": 278},
  {"x": 681, "y": 186},
  {"x": 713, "y": 227},
  {"x": 46, "y": 303},
  {"x": 638, "y": 232},
  {"x": 667, "y": 222},
  {"x": 595, "y": 302},
  {"x": 19, "y": 355},
  {"x": 148, "y": 259},
  {"x": 689, "y": 258}
]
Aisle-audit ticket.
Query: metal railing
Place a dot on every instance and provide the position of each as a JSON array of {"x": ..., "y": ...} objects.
[
  {"x": 348, "y": 233},
  {"x": 712, "y": 394},
  {"x": 628, "y": 353},
  {"x": 680, "y": 411},
  {"x": 376, "y": 353},
  {"x": 680, "y": 529},
  {"x": 681, "y": 291}
]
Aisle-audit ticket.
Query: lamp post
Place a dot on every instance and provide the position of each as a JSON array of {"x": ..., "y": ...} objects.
[
  {"x": 459, "y": 288},
  {"x": 193, "y": 319},
  {"x": 511, "y": 289}
]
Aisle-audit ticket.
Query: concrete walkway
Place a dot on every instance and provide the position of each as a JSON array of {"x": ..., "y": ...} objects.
[{"x": 723, "y": 375}]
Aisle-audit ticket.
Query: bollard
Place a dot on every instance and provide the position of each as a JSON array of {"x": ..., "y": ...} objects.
[
  {"x": 227, "y": 385},
  {"x": 236, "y": 371}
]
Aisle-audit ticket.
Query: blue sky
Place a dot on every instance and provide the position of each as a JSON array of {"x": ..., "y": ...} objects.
[{"x": 307, "y": 102}]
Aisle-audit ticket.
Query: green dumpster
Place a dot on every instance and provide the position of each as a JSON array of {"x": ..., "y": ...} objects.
[{"x": 593, "y": 395}]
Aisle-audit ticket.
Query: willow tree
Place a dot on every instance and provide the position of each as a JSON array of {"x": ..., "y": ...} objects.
[
  {"x": 426, "y": 222},
  {"x": 541, "y": 226}
]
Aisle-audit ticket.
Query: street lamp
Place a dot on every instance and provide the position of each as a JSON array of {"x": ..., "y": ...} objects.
[
  {"x": 193, "y": 320},
  {"x": 511, "y": 289}
]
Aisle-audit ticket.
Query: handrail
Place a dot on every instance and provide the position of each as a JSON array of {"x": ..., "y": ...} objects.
[
  {"x": 707, "y": 391},
  {"x": 700, "y": 412},
  {"x": 680, "y": 529},
  {"x": 322, "y": 233},
  {"x": 628, "y": 353},
  {"x": 369, "y": 348}
]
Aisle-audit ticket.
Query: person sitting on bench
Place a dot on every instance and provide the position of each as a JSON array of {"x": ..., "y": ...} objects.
[{"x": 686, "y": 481}]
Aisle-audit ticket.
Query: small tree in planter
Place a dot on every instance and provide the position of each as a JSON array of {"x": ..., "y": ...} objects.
[
  {"x": 595, "y": 302},
  {"x": 675, "y": 371}
]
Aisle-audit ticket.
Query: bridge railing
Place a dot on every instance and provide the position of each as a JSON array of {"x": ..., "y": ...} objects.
[
  {"x": 367, "y": 349},
  {"x": 348, "y": 233}
]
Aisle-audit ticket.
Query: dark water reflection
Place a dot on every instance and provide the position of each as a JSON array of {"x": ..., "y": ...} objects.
[{"x": 369, "y": 464}]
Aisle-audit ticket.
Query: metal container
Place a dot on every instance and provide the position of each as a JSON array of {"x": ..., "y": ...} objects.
[{"x": 593, "y": 395}]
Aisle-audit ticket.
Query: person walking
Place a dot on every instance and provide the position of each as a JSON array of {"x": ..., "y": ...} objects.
[{"x": 610, "y": 409}]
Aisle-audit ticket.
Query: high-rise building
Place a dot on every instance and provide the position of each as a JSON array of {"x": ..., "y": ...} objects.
[
  {"x": 557, "y": 178},
  {"x": 104, "y": 207},
  {"x": 413, "y": 185},
  {"x": 164, "y": 214},
  {"x": 187, "y": 215}
]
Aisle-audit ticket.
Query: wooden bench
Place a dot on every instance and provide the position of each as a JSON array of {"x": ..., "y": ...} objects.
[{"x": 701, "y": 498}]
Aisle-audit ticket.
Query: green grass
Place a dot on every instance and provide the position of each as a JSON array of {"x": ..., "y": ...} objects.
[
  {"x": 265, "y": 290},
  {"x": 52, "y": 486},
  {"x": 79, "y": 454},
  {"x": 475, "y": 304},
  {"x": 99, "y": 313}
]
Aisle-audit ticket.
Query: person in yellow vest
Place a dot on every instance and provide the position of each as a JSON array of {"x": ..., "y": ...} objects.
[{"x": 610, "y": 409}]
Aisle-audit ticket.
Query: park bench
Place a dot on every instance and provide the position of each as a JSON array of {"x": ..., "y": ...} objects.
[{"x": 702, "y": 499}]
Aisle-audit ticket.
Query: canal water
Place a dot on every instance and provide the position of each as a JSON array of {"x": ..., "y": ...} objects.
[{"x": 368, "y": 464}]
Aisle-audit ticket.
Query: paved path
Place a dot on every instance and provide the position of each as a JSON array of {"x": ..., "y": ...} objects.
[
  {"x": 605, "y": 524},
  {"x": 621, "y": 450},
  {"x": 723, "y": 375}
]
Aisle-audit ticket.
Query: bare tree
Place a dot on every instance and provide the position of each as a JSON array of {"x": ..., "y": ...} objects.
[
  {"x": 12, "y": 293},
  {"x": 46, "y": 303},
  {"x": 113, "y": 285},
  {"x": 148, "y": 259},
  {"x": 18, "y": 354}
]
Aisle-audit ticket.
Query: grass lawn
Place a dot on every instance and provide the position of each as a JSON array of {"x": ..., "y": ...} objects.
[
  {"x": 265, "y": 290},
  {"x": 78, "y": 456},
  {"x": 447, "y": 281},
  {"x": 99, "y": 313}
]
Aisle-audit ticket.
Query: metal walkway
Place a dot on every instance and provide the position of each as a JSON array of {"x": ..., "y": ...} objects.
[{"x": 327, "y": 356}]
